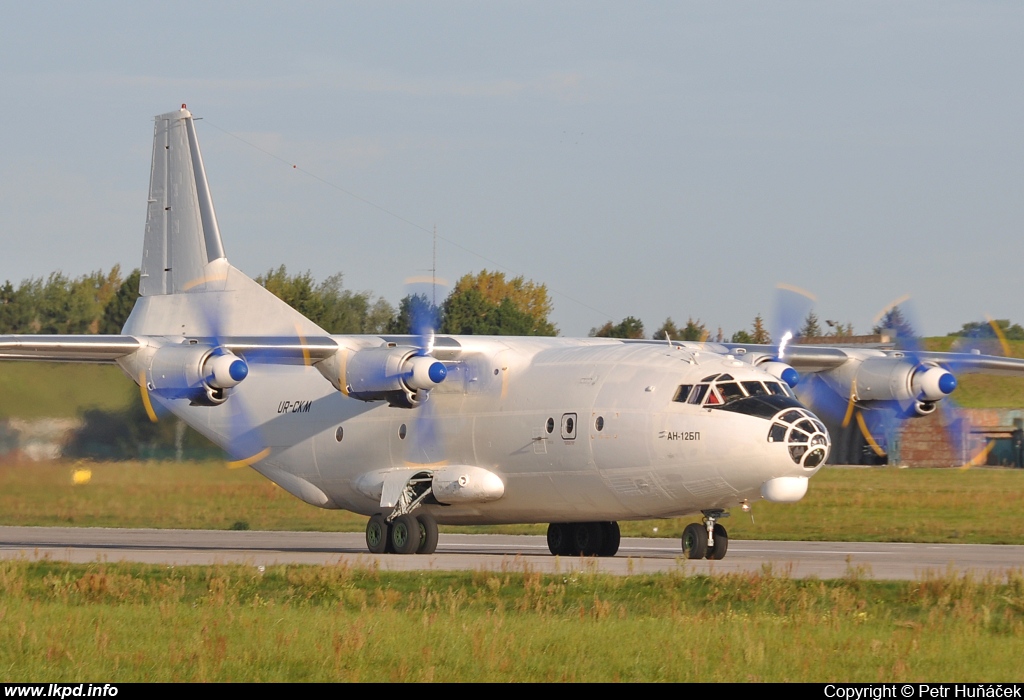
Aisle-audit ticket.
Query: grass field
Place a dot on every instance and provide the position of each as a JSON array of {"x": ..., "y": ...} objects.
[
  {"x": 54, "y": 390},
  {"x": 877, "y": 504},
  {"x": 123, "y": 623}
]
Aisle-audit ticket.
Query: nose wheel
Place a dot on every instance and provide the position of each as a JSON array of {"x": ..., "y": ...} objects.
[{"x": 707, "y": 540}]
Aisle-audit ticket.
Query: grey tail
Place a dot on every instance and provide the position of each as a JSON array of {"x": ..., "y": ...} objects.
[
  {"x": 181, "y": 227},
  {"x": 187, "y": 286}
]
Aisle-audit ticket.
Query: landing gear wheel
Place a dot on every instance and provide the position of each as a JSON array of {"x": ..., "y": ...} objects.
[
  {"x": 587, "y": 539},
  {"x": 377, "y": 534},
  {"x": 405, "y": 534},
  {"x": 695, "y": 541},
  {"x": 610, "y": 539},
  {"x": 558, "y": 539},
  {"x": 721, "y": 538},
  {"x": 428, "y": 534}
]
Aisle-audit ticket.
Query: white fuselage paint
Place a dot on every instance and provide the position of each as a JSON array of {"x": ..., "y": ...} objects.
[{"x": 653, "y": 457}]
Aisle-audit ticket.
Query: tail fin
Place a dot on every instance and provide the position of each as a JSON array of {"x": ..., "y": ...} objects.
[
  {"x": 181, "y": 227},
  {"x": 187, "y": 286}
]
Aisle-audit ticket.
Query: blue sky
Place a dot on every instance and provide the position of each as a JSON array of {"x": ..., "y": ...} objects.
[{"x": 647, "y": 159}]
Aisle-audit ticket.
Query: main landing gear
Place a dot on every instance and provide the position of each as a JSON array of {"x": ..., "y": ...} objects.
[
  {"x": 406, "y": 534},
  {"x": 599, "y": 539},
  {"x": 709, "y": 540},
  {"x": 402, "y": 532}
]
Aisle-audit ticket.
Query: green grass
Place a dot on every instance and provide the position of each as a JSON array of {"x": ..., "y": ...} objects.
[
  {"x": 54, "y": 390},
  {"x": 133, "y": 622},
  {"x": 879, "y": 504}
]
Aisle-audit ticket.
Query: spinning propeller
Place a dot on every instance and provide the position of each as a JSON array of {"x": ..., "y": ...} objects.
[
  {"x": 205, "y": 372},
  {"x": 425, "y": 446},
  {"x": 877, "y": 392}
]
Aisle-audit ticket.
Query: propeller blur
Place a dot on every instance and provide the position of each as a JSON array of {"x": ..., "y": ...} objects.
[{"x": 420, "y": 429}]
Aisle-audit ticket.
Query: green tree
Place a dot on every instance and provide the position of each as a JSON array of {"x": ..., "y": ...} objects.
[
  {"x": 894, "y": 320},
  {"x": 668, "y": 331},
  {"x": 116, "y": 312},
  {"x": 984, "y": 330},
  {"x": 811, "y": 329},
  {"x": 742, "y": 337},
  {"x": 488, "y": 304},
  {"x": 413, "y": 309},
  {"x": 694, "y": 330},
  {"x": 16, "y": 310},
  {"x": 527, "y": 296},
  {"x": 327, "y": 304},
  {"x": 760, "y": 334},
  {"x": 629, "y": 327}
]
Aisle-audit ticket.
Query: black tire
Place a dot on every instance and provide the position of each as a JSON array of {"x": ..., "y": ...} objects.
[
  {"x": 558, "y": 539},
  {"x": 610, "y": 539},
  {"x": 405, "y": 534},
  {"x": 587, "y": 539},
  {"x": 428, "y": 534},
  {"x": 377, "y": 534},
  {"x": 695, "y": 541},
  {"x": 721, "y": 543}
]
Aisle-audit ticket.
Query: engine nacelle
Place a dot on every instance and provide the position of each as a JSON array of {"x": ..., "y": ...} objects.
[
  {"x": 933, "y": 383},
  {"x": 903, "y": 380},
  {"x": 392, "y": 374},
  {"x": 198, "y": 373},
  {"x": 783, "y": 371}
]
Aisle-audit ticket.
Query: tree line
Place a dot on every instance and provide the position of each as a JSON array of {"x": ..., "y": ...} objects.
[{"x": 485, "y": 303}]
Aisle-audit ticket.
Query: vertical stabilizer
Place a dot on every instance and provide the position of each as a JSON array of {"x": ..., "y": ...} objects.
[
  {"x": 187, "y": 287},
  {"x": 181, "y": 225}
]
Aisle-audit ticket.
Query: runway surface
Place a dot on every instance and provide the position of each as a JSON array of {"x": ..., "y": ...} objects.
[{"x": 503, "y": 552}]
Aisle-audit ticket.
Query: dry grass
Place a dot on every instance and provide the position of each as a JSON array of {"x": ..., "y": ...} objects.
[{"x": 126, "y": 623}]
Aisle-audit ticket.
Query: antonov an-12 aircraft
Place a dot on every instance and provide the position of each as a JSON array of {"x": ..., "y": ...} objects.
[{"x": 417, "y": 430}]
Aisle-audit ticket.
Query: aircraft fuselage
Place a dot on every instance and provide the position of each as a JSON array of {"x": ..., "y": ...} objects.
[{"x": 577, "y": 430}]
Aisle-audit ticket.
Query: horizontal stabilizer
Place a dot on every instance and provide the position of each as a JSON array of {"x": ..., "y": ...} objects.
[{"x": 67, "y": 348}]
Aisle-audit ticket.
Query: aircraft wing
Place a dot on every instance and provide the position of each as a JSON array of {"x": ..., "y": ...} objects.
[
  {"x": 110, "y": 348},
  {"x": 812, "y": 359},
  {"x": 67, "y": 348},
  {"x": 969, "y": 363}
]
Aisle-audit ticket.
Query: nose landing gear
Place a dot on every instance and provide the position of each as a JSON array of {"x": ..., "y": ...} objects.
[{"x": 707, "y": 540}]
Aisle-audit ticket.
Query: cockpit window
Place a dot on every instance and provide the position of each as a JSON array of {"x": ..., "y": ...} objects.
[
  {"x": 710, "y": 378},
  {"x": 683, "y": 393},
  {"x": 776, "y": 389},
  {"x": 725, "y": 378},
  {"x": 698, "y": 393},
  {"x": 730, "y": 391},
  {"x": 755, "y": 388}
]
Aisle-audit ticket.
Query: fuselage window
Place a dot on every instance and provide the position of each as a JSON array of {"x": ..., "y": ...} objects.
[{"x": 683, "y": 393}]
